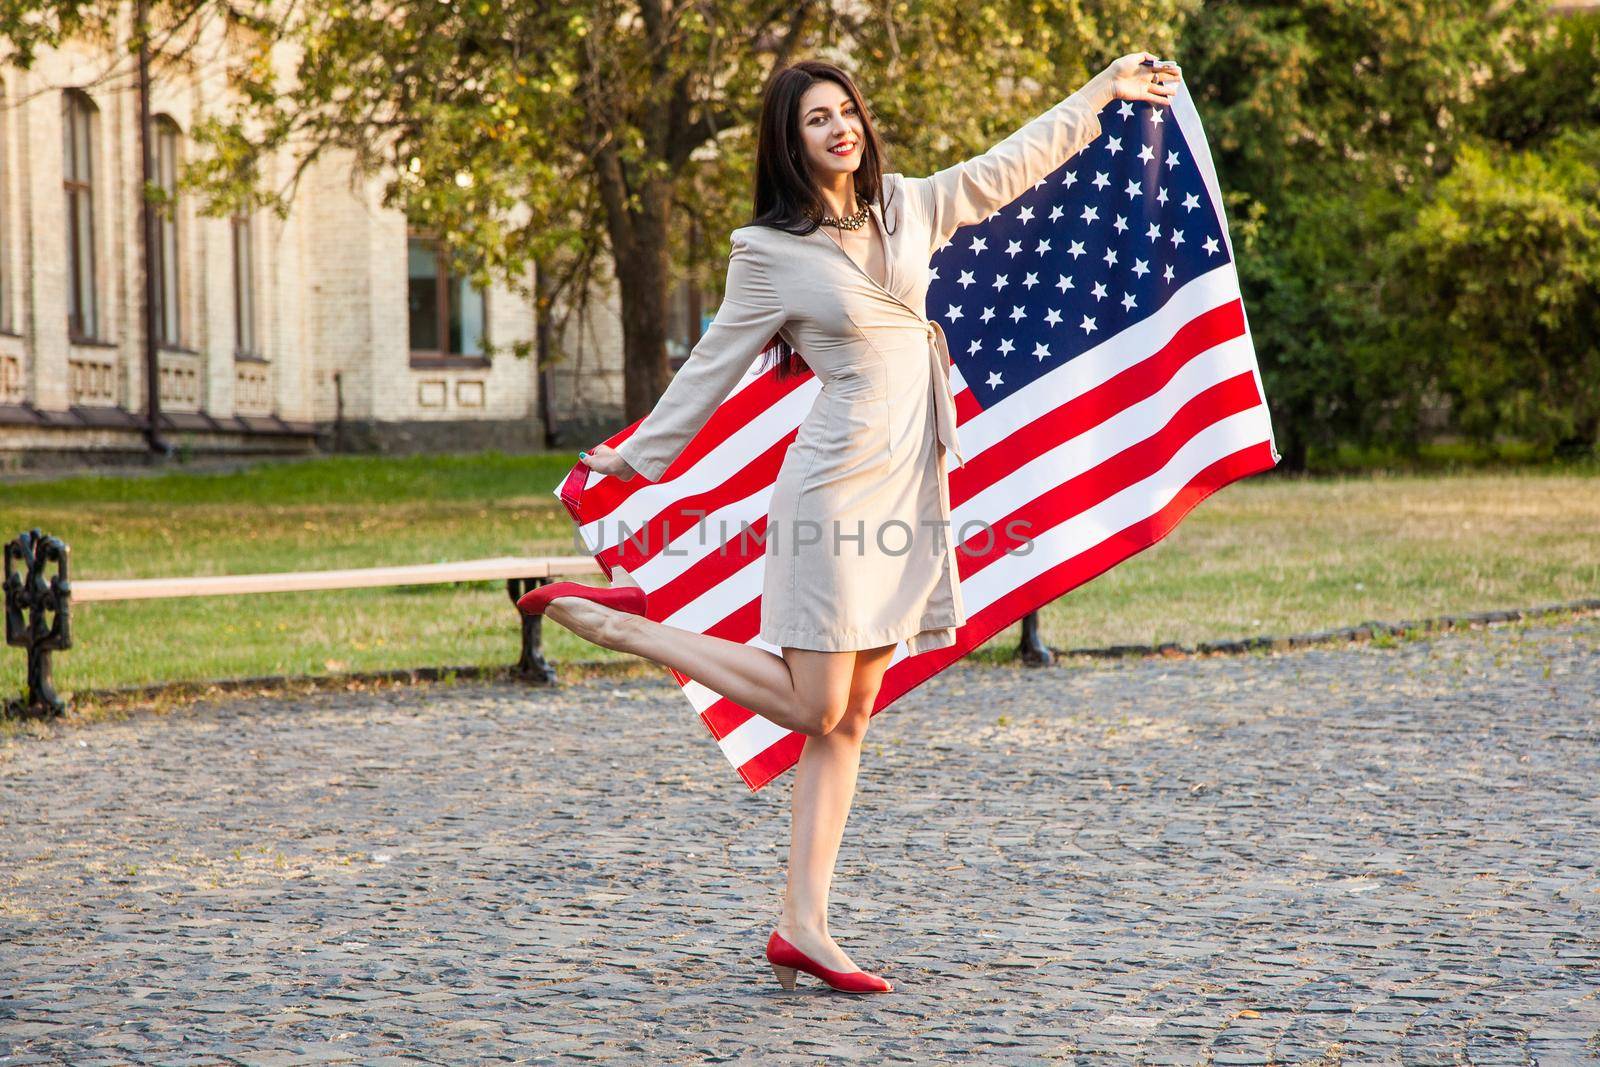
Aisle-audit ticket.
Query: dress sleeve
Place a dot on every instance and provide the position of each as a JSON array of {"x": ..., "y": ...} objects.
[
  {"x": 750, "y": 315},
  {"x": 972, "y": 190}
]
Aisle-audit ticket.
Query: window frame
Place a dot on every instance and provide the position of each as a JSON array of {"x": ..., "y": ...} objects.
[
  {"x": 439, "y": 358},
  {"x": 6, "y": 326},
  {"x": 78, "y": 184},
  {"x": 165, "y": 134},
  {"x": 245, "y": 319}
]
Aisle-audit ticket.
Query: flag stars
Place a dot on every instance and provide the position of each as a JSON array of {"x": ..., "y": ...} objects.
[
  {"x": 1041, "y": 350},
  {"x": 1121, "y": 224},
  {"x": 1177, "y": 238},
  {"x": 979, "y": 244},
  {"x": 1070, "y": 179},
  {"x": 1114, "y": 145},
  {"x": 1001, "y": 281},
  {"x": 1013, "y": 247},
  {"x": 1063, "y": 283},
  {"x": 1167, "y": 274},
  {"x": 988, "y": 313},
  {"x": 1146, "y": 154},
  {"x": 1056, "y": 212},
  {"x": 1111, "y": 257},
  {"x": 1141, "y": 268},
  {"x": 1126, "y": 110},
  {"x": 1099, "y": 290},
  {"x": 953, "y": 313},
  {"x": 1030, "y": 280},
  {"x": 1025, "y": 216},
  {"x": 1133, "y": 189},
  {"x": 1018, "y": 313},
  {"x": 1087, "y": 325},
  {"x": 1191, "y": 202},
  {"x": 1128, "y": 302},
  {"x": 1155, "y": 117},
  {"x": 993, "y": 380},
  {"x": 1052, "y": 317},
  {"x": 1006, "y": 347},
  {"x": 1211, "y": 245},
  {"x": 975, "y": 347},
  {"x": 1076, "y": 249},
  {"x": 966, "y": 279},
  {"x": 1044, "y": 246},
  {"x": 1101, "y": 180},
  {"x": 1161, "y": 195},
  {"x": 1090, "y": 214},
  {"x": 1172, "y": 160},
  {"x": 1154, "y": 232}
]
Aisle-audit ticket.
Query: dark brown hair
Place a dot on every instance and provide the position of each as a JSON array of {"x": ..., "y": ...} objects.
[{"x": 786, "y": 196}]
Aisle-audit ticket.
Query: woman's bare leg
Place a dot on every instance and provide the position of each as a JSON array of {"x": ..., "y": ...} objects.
[
  {"x": 824, "y": 786},
  {"x": 804, "y": 689}
]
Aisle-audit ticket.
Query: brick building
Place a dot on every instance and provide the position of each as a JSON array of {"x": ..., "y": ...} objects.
[{"x": 335, "y": 327}]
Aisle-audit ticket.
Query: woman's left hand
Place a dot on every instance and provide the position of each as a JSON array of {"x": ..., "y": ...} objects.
[{"x": 1129, "y": 79}]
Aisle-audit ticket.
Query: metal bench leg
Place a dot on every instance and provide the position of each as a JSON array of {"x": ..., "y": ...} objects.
[
  {"x": 1034, "y": 652},
  {"x": 532, "y": 666},
  {"x": 38, "y": 617}
]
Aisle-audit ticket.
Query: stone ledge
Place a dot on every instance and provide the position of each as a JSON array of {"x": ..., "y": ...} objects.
[
  {"x": 638, "y": 667},
  {"x": 1364, "y": 631}
]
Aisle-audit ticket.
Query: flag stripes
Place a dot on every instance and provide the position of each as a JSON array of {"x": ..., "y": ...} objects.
[{"x": 1072, "y": 466}]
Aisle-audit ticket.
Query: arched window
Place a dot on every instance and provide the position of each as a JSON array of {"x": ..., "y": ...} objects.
[
  {"x": 446, "y": 310},
  {"x": 244, "y": 290},
  {"x": 78, "y": 145},
  {"x": 165, "y": 145}
]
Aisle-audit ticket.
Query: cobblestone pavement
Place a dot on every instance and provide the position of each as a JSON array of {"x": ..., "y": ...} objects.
[{"x": 1356, "y": 855}]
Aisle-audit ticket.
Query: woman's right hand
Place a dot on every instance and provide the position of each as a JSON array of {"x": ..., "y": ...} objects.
[
  {"x": 1129, "y": 79},
  {"x": 608, "y": 460}
]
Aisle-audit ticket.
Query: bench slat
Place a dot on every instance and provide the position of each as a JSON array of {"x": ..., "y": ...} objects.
[{"x": 472, "y": 570}]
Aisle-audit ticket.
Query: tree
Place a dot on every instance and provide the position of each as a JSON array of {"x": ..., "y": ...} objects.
[
  {"x": 1503, "y": 270},
  {"x": 1328, "y": 120},
  {"x": 566, "y": 132}
]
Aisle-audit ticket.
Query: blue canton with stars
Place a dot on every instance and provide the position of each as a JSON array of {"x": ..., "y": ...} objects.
[{"x": 1096, "y": 246}]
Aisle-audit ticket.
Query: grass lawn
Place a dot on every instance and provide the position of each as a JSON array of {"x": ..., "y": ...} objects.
[{"x": 1267, "y": 555}]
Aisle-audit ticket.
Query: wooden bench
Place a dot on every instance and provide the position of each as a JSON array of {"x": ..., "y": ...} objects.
[{"x": 38, "y": 604}]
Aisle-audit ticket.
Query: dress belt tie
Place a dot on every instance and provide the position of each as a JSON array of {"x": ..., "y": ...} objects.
[{"x": 944, "y": 399}]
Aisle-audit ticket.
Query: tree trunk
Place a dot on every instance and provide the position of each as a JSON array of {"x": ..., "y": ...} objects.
[{"x": 642, "y": 284}]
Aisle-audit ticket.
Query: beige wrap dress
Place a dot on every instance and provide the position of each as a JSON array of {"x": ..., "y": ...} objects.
[{"x": 858, "y": 551}]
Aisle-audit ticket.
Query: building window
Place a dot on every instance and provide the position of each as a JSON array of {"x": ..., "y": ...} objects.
[
  {"x": 77, "y": 126},
  {"x": 446, "y": 311},
  {"x": 244, "y": 290},
  {"x": 5, "y": 242},
  {"x": 165, "y": 142}
]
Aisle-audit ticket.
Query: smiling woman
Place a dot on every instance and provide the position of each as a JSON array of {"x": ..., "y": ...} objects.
[{"x": 856, "y": 559}]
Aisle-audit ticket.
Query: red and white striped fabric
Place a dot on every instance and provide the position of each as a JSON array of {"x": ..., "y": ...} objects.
[{"x": 1119, "y": 393}]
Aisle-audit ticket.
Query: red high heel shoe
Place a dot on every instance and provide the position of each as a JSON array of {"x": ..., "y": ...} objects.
[
  {"x": 786, "y": 960},
  {"x": 629, "y": 598}
]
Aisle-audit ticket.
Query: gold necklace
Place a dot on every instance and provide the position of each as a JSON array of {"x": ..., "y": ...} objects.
[{"x": 849, "y": 222}]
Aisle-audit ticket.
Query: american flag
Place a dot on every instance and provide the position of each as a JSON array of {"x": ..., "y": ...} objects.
[{"x": 1105, "y": 383}]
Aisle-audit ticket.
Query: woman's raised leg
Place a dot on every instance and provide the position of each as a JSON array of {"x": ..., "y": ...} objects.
[
  {"x": 808, "y": 693},
  {"x": 824, "y": 786}
]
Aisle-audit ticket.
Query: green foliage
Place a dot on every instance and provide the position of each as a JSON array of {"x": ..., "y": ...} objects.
[
  {"x": 1388, "y": 270},
  {"x": 1500, "y": 276},
  {"x": 1411, "y": 183}
]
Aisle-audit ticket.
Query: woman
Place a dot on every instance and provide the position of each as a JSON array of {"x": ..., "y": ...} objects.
[{"x": 835, "y": 266}]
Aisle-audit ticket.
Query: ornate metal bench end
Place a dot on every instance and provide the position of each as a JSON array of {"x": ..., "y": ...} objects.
[
  {"x": 531, "y": 666},
  {"x": 1034, "y": 652},
  {"x": 38, "y": 616}
]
